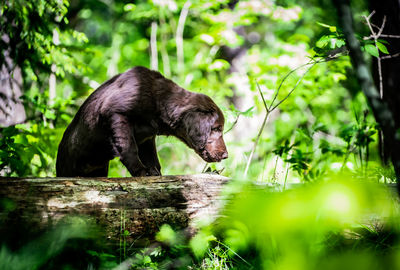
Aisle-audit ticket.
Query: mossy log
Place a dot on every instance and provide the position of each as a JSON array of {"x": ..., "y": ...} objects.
[{"x": 140, "y": 204}]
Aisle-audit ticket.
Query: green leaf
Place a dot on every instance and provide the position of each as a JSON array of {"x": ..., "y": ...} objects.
[
  {"x": 146, "y": 260},
  {"x": 340, "y": 43},
  {"x": 166, "y": 235},
  {"x": 382, "y": 47},
  {"x": 200, "y": 243},
  {"x": 323, "y": 41},
  {"x": 372, "y": 50}
]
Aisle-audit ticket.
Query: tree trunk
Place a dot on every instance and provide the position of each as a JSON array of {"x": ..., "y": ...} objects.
[
  {"x": 384, "y": 114},
  {"x": 11, "y": 109},
  {"x": 140, "y": 205},
  {"x": 390, "y": 66}
]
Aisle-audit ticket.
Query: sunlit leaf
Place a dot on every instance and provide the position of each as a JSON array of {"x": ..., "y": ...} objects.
[
  {"x": 382, "y": 47},
  {"x": 372, "y": 50}
]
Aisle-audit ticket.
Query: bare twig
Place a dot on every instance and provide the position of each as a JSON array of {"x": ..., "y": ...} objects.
[
  {"x": 382, "y": 36},
  {"x": 382, "y": 27},
  {"x": 375, "y": 37},
  {"x": 367, "y": 19},
  {"x": 390, "y": 56},
  {"x": 234, "y": 123},
  {"x": 390, "y": 36}
]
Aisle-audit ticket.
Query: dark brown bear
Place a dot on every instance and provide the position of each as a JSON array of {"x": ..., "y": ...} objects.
[{"x": 123, "y": 117}]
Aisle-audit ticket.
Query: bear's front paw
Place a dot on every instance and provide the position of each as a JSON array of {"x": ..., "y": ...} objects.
[
  {"x": 153, "y": 171},
  {"x": 140, "y": 172}
]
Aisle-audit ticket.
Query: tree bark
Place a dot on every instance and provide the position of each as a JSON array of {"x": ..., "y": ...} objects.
[
  {"x": 12, "y": 110},
  {"x": 384, "y": 114},
  {"x": 140, "y": 205}
]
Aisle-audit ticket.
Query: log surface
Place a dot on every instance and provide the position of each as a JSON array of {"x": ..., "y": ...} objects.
[{"x": 141, "y": 204}]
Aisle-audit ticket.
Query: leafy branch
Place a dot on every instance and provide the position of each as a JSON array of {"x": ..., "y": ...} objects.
[{"x": 273, "y": 105}]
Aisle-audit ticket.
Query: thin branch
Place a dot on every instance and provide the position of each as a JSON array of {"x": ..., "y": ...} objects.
[
  {"x": 382, "y": 36},
  {"x": 380, "y": 74},
  {"x": 390, "y": 36},
  {"x": 268, "y": 112},
  {"x": 262, "y": 96},
  {"x": 234, "y": 123},
  {"x": 370, "y": 15},
  {"x": 375, "y": 38},
  {"x": 297, "y": 83},
  {"x": 390, "y": 56},
  {"x": 256, "y": 143},
  {"x": 382, "y": 27},
  {"x": 369, "y": 23},
  {"x": 283, "y": 80}
]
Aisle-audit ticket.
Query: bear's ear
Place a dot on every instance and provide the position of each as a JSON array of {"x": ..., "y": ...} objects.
[
  {"x": 197, "y": 125},
  {"x": 177, "y": 113}
]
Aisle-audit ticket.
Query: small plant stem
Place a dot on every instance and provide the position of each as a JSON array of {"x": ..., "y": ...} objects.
[
  {"x": 276, "y": 164},
  {"x": 256, "y": 142},
  {"x": 346, "y": 157},
  {"x": 286, "y": 175},
  {"x": 234, "y": 123},
  {"x": 366, "y": 157},
  {"x": 263, "y": 172},
  {"x": 251, "y": 267},
  {"x": 360, "y": 156}
]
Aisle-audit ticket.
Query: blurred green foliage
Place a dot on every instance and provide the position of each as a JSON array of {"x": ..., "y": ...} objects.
[
  {"x": 340, "y": 223},
  {"x": 326, "y": 225}
]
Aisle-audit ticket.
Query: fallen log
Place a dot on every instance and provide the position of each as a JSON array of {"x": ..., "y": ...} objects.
[{"x": 140, "y": 204}]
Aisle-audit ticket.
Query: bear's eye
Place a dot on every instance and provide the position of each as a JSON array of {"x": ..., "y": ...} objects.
[{"x": 216, "y": 129}]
